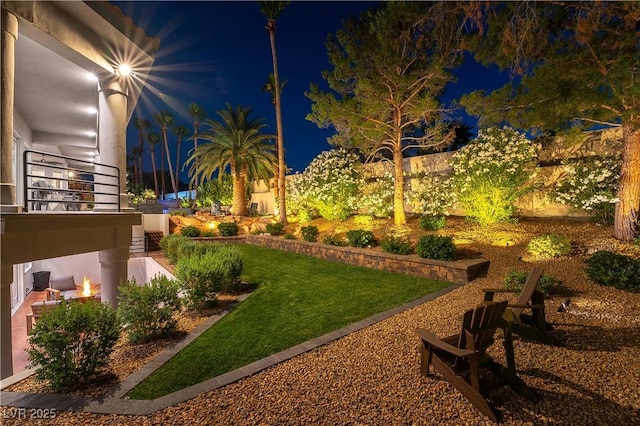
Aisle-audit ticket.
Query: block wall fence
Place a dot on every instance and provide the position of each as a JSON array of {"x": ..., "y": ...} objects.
[{"x": 535, "y": 204}]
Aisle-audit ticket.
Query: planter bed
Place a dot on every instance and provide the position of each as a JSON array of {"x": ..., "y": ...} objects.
[{"x": 459, "y": 272}]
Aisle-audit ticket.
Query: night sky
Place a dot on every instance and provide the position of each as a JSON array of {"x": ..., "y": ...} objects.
[{"x": 213, "y": 53}]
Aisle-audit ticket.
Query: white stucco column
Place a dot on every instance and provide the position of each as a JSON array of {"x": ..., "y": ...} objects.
[
  {"x": 112, "y": 136},
  {"x": 113, "y": 271},
  {"x": 6, "y": 357},
  {"x": 7, "y": 181}
]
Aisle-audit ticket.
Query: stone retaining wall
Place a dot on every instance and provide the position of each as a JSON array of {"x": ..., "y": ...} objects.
[{"x": 459, "y": 272}]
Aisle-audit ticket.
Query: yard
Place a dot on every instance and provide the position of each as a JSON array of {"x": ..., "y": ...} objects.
[{"x": 371, "y": 376}]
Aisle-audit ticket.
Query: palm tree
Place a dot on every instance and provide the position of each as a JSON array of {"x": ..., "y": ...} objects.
[
  {"x": 142, "y": 125},
  {"x": 153, "y": 139},
  {"x": 198, "y": 114},
  {"x": 270, "y": 87},
  {"x": 165, "y": 119},
  {"x": 236, "y": 141},
  {"x": 181, "y": 132},
  {"x": 136, "y": 154},
  {"x": 272, "y": 9}
]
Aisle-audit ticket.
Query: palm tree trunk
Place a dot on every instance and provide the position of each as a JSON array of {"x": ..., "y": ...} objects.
[
  {"x": 280, "y": 142},
  {"x": 162, "y": 187},
  {"x": 141, "y": 176},
  {"x": 171, "y": 175},
  {"x": 155, "y": 174},
  {"x": 239, "y": 192},
  {"x": 177, "y": 162}
]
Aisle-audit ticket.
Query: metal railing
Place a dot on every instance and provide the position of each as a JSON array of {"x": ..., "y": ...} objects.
[
  {"x": 139, "y": 245},
  {"x": 55, "y": 182}
]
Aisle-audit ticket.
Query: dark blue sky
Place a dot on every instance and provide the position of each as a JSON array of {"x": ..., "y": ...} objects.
[{"x": 213, "y": 53}]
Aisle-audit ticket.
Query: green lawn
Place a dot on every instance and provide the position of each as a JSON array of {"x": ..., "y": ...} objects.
[{"x": 298, "y": 298}]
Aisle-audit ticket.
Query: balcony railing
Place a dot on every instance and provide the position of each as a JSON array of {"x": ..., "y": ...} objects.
[{"x": 55, "y": 182}]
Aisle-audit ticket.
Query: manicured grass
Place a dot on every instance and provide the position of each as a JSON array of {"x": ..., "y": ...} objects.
[{"x": 298, "y": 298}]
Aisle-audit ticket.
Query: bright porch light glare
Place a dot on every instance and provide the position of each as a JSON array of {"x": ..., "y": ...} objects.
[
  {"x": 124, "y": 69},
  {"x": 91, "y": 110}
]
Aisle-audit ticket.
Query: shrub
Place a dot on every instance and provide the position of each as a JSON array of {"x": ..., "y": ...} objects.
[
  {"x": 309, "y": 233},
  {"x": 208, "y": 233},
  {"x": 289, "y": 236},
  {"x": 548, "y": 246},
  {"x": 189, "y": 248},
  {"x": 436, "y": 247},
  {"x": 170, "y": 244},
  {"x": 360, "y": 238},
  {"x": 515, "y": 281},
  {"x": 334, "y": 240},
  {"x": 396, "y": 245},
  {"x": 365, "y": 221},
  {"x": 203, "y": 276},
  {"x": 329, "y": 185},
  {"x": 616, "y": 270},
  {"x": 492, "y": 172},
  {"x": 228, "y": 229},
  {"x": 275, "y": 228},
  {"x": 376, "y": 196},
  {"x": 590, "y": 184},
  {"x": 190, "y": 231},
  {"x": 432, "y": 222},
  {"x": 148, "y": 310},
  {"x": 432, "y": 195},
  {"x": 178, "y": 213},
  {"x": 72, "y": 343}
]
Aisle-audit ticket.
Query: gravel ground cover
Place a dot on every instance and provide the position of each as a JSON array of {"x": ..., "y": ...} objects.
[{"x": 371, "y": 377}]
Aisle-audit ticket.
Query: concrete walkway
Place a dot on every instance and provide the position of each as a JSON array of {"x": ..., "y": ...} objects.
[{"x": 113, "y": 403}]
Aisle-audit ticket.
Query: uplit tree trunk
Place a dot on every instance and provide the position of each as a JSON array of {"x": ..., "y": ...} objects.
[
  {"x": 239, "y": 193},
  {"x": 628, "y": 208},
  {"x": 399, "y": 217}
]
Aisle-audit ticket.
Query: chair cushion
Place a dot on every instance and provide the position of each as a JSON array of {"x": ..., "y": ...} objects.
[{"x": 63, "y": 283}]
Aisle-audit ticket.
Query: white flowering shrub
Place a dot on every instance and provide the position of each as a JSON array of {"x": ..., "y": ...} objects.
[
  {"x": 330, "y": 185},
  {"x": 377, "y": 195},
  {"x": 590, "y": 184},
  {"x": 433, "y": 195},
  {"x": 492, "y": 172}
]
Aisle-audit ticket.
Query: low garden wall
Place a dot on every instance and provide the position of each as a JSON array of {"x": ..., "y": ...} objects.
[{"x": 459, "y": 272}]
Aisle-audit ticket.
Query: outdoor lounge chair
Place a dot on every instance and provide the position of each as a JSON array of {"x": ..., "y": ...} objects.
[
  {"x": 37, "y": 308},
  {"x": 533, "y": 326},
  {"x": 459, "y": 358},
  {"x": 60, "y": 284}
]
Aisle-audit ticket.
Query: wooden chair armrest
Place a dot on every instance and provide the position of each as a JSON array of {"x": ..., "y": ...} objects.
[
  {"x": 499, "y": 290},
  {"x": 538, "y": 306},
  {"x": 434, "y": 340},
  {"x": 29, "y": 323},
  {"x": 54, "y": 294}
]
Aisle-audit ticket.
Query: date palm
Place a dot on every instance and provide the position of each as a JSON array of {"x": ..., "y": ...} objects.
[
  {"x": 142, "y": 125},
  {"x": 271, "y": 10},
  {"x": 153, "y": 139},
  {"x": 181, "y": 132},
  {"x": 235, "y": 141},
  {"x": 165, "y": 119}
]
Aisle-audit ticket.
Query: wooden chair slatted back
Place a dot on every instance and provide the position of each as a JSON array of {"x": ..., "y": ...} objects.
[
  {"x": 479, "y": 325},
  {"x": 528, "y": 289}
]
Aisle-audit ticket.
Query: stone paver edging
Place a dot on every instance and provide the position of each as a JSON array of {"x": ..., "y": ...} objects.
[{"x": 115, "y": 404}]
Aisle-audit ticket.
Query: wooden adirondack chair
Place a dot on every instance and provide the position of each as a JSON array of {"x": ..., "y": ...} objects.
[
  {"x": 458, "y": 358},
  {"x": 534, "y": 326}
]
